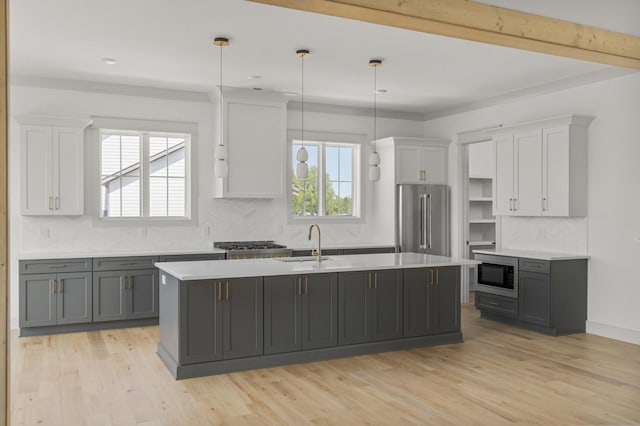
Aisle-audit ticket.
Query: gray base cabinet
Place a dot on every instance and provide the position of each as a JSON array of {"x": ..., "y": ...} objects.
[
  {"x": 431, "y": 300},
  {"x": 300, "y": 312},
  {"x": 220, "y": 319},
  {"x": 120, "y": 295},
  {"x": 552, "y": 297},
  {"x": 370, "y": 306}
]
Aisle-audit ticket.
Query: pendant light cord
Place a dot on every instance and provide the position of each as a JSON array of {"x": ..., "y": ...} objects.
[
  {"x": 302, "y": 57},
  {"x": 375, "y": 114},
  {"x": 221, "y": 114}
]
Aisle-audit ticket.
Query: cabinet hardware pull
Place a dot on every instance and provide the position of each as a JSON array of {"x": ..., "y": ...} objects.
[
  {"x": 306, "y": 285},
  {"x": 219, "y": 290},
  {"x": 50, "y": 203},
  {"x": 437, "y": 277},
  {"x": 369, "y": 280},
  {"x": 52, "y": 284},
  {"x": 544, "y": 203},
  {"x": 299, "y": 286},
  {"x": 60, "y": 265},
  {"x": 227, "y": 288},
  {"x": 494, "y": 303},
  {"x": 57, "y": 204},
  {"x": 127, "y": 263},
  {"x": 130, "y": 281},
  {"x": 60, "y": 285},
  {"x": 430, "y": 276},
  {"x": 510, "y": 204},
  {"x": 515, "y": 204},
  {"x": 375, "y": 283}
]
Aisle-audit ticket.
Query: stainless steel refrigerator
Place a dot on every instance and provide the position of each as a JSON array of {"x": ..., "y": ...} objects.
[{"x": 423, "y": 219}]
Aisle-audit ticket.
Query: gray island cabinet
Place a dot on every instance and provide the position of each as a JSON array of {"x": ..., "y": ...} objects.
[{"x": 225, "y": 316}]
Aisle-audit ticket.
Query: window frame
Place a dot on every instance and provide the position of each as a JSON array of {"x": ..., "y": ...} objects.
[
  {"x": 146, "y": 129},
  {"x": 329, "y": 138}
]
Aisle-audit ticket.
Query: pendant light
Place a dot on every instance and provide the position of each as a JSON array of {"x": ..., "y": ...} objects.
[
  {"x": 374, "y": 157},
  {"x": 302, "y": 169},
  {"x": 221, "y": 153}
]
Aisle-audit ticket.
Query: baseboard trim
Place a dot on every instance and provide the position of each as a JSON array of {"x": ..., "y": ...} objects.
[{"x": 614, "y": 332}]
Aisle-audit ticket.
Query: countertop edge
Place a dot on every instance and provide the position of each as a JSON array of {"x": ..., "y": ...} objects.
[{"x": 525, "y": 254}]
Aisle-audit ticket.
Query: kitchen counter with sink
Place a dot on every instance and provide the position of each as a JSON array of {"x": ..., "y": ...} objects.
[{"x": 232, "y": 315}]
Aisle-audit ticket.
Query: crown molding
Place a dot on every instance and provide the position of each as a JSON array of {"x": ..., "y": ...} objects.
[{"x": 355, "y": 110}]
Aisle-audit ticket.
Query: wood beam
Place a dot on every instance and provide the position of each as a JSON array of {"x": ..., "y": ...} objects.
[
  {"x": 484, "y": 23},
  {"x": 4, "y": 218}
]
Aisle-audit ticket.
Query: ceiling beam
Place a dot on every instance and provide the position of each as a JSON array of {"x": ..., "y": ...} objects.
[{"x": 484, "y": 23}]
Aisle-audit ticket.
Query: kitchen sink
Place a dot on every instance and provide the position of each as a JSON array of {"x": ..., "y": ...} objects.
[{"x": 302, "y": 259}]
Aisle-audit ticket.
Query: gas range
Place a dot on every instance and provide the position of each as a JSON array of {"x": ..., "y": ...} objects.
[{"x": 252, "y": 249}]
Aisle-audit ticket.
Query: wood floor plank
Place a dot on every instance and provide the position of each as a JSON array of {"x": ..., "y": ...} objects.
[{"x": 499, "y": 375}]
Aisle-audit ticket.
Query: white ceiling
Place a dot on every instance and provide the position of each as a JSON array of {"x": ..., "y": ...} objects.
[{"x": 167, "y": 44}]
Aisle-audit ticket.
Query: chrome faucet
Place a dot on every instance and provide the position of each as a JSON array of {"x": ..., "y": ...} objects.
[{"x": 317, "y": 252}]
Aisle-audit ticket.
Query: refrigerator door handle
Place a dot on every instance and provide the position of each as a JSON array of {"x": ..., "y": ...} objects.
[
  {"x": 423, "y": 220},
  {"x": 429, "y": 217}
]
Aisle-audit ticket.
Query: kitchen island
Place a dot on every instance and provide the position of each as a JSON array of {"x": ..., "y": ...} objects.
[{"x": 224, "y": 316}]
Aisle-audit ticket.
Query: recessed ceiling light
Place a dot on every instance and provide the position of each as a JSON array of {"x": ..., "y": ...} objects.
[
  {"x": 109, "y": 61},
  {"x": 290, "y": 93},
  {"x": 380, "y": 91},
  {"x": 254, "y": 77}
]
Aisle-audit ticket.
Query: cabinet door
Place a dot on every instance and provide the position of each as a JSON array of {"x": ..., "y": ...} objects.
[
  {"x": 386, "y": 306},
  {"x": 555, "y": 172},
  {"x": 142, "y": 294},
  {"x": 409, "y": 164},
  {"x": 282, "y": 314},
  {"x": 36, "y": 175},
  {"x": 354, "y": 325},
  {"x": 445, "y": 308},
  {"x": 504, "y": 175},
  {"x": 74, "y": 302},
  {"x": 108, "y": 296},
  {"x": 200, "y": 321},
  {"x": 37, "y": 300},
  {"x": 434, "y": 161},
  {"x": 320, "y": 311},
  {"x": 68, "y": 171},
  {"x": 528, "y": 183},
  {"x": 417, "y": 301},
  {"x": 242, "y": 318},
  {"x": 534, "y": 298}
]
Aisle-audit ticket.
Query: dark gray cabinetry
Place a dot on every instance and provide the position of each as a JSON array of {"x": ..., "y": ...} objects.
[
  {"x": 552, "y": 297},
  {"x": 61, "y": 296},
  {"x": 221, "y": 319},
  {"x": 346, "y": 251},
  {"x": 431, "y": 301},
  {"x": 300, "y": 312},
  {"x": 124, "y": 288},
  {"x": 369, "y": 306},
  {"x": 190, "y": 257}
]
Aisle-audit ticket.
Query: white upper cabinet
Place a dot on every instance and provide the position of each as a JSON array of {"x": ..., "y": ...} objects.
[
  {"x": 52, "y": 166},
  {"x": 421, "y": 161},
  {"x": 254, "y": 128},
  {"x": 541, "y": 168}
]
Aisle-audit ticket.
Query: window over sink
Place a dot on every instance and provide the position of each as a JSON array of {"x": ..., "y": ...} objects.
[{"x": 332, "y": 187}]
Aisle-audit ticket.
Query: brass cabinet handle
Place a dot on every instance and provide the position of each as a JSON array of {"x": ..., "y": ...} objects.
[
  {"x": 369, "y": 279},
  {"x": 515, "y": 204},
  {"x": 494, "y": 303},
  {"x": 60, "y": 285},
  {"x": 57, "y": 265},
  {"x": 219, "y": 290},
  {"x": 130, "y": 281},
  {"x": 544, "y": 203},
  {"x": 510, "y": 204},
  {"x": 437, "y": 276},
  {"x": 127, "y": 263},
  {"x": 50, "y": 203},
  {"x": 52, "y": 284},
  {"x": 299, "y": 285},
  {"x": 227, "y": 288},
  {"x": 430, "y": 276},
  {"x": 57, "y": 204},
  {"x": 375, "y": 282},
  {"x": 306, "y": 285}
]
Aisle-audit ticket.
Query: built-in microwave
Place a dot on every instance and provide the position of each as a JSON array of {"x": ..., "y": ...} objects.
[{"x": 498, "y": 275}]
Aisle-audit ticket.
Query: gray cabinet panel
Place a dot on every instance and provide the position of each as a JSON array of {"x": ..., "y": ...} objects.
[
  {"x": 108, "y": 296},
  {"x": 142, "y": 294},
  {"x": 320, "y": 311},
  {"x": 52, "y": 266},
  {"x": 37, "y": 300},
  {"x": 74, "y": 302},
  {"x": 200, "y": 321},
  {"x": 353, "y": 308},
  {"x": 505, "y": 306},
  {"x": 417, "y": 299},
  {"x": 445, "y": 306},
  {"x": 243, "y": 318},
  {"x": 123, "y": 263},
  {"x": 386, "y": 304},
  {"x": 282, "y": 314},
  {"x": 534, "y": 298},
  {"x": 191, "y": 257}
]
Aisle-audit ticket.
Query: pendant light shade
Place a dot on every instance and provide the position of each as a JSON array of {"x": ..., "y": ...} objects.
[
  {"x": 221, "y": 153},
  {"x": 374, "y": 157},
  {"x": 302, "y": 169}
]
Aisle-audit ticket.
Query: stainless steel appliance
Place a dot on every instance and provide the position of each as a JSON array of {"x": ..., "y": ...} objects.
[
  {"x": 423, "y": 219},
  {"x": 252, "y": 249},
  {"x": 498, "y": 275}
]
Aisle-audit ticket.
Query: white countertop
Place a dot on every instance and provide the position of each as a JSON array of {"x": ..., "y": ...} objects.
[
  {"x": 540, "y": 255},
  {"x": 82, "y": 254},
  {"x": 215, "y": 269}
]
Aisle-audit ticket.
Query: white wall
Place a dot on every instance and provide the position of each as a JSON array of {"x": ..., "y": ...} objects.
[
  {"x": 226, "y": 219},
  {"x": 610, "y": 234}
]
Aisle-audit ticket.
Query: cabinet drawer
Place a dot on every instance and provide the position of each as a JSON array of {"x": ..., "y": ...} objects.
[
  {"x": 497, "y": 304},
  {"x": 534, "y": 265},
  {"x": 327, "y": 252},
  {"x": 190, "y": 257},
  {"x": 369, "y": 250},
  {"x": 48, "y": 266},
  {"x": 117, "y": 263}
]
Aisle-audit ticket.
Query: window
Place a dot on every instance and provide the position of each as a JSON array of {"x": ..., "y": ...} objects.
[
  {"x": 331, "y": 187},
  {"x": 144, "y": 174}
]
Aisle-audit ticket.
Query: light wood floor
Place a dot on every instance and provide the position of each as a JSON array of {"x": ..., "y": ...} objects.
[{"x": 499, "y": 375}]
